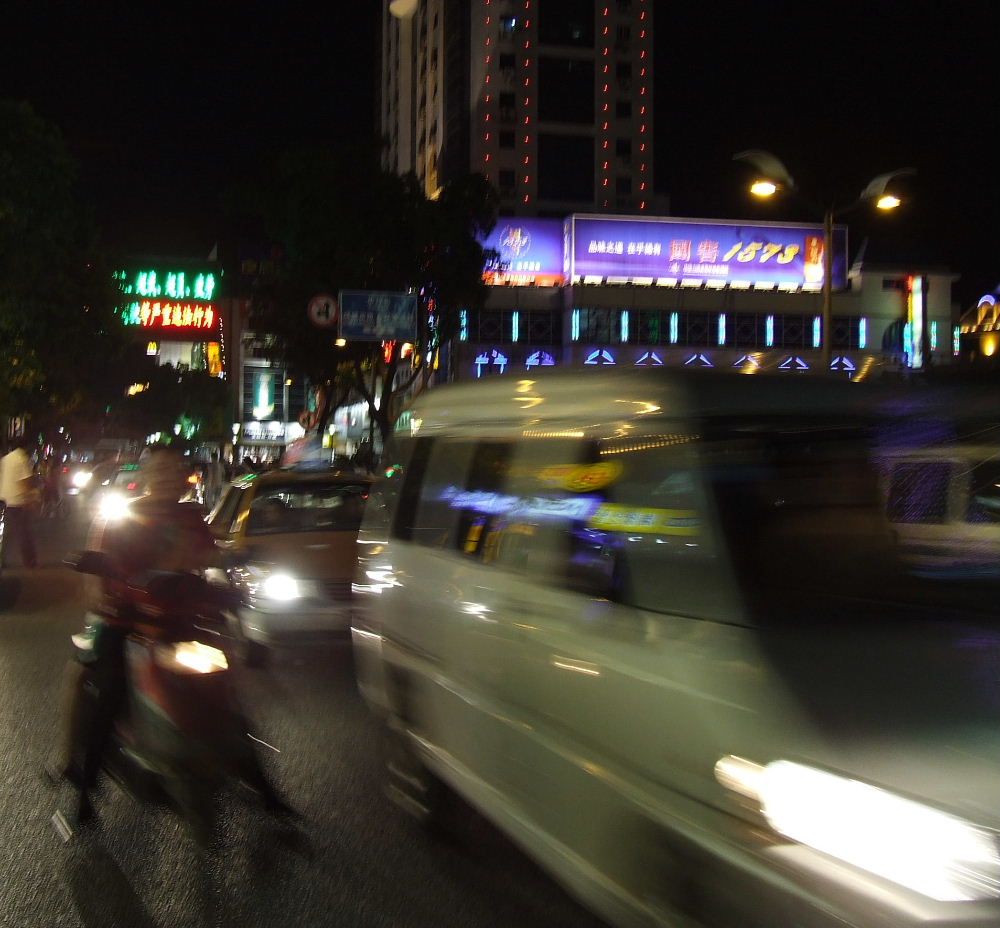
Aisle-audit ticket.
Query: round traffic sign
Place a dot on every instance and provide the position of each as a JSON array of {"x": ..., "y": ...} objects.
[{"x": 323, "y": 310}]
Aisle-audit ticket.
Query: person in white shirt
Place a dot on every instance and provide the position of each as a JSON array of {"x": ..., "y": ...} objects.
[{"x": 19, "y": 491}]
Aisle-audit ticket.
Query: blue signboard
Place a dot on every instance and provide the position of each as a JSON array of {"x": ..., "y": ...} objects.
[
  {"x": 698, "y": 251},
  {"x": 376, "y": 316},
  {"x": 530, "y": 251}
]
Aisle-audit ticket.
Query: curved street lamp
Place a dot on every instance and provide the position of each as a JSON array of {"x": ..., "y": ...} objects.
[{"x": 773, "y": 176}]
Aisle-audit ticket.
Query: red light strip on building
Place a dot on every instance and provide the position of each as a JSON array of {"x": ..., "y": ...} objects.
[
  {"x": 606, "y": 107},
  {"x": 486, "y": 114},
  {"x": 527, "y": 104},
  {"x": 643, "y": 88}
]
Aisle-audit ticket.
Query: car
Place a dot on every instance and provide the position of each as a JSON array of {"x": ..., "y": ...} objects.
[
  {"x": 288, "y": 540},
  {"x": 658, "y": 627},
  {"x": 110, "y": 496}
]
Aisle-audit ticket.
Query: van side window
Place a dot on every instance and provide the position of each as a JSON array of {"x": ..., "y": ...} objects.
[
  {"x": 554, "y": 488},
  {"x": 406, "y": 464},
  {"x": 459, "y": 493},
  {"x": 483, "y": 498},
  {"x": 659, "y": 512}
]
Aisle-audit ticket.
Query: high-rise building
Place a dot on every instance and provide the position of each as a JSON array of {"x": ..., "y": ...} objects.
[{"x": 551, "y": 99}]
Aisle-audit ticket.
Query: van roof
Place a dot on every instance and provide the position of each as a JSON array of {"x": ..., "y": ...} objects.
[{"x": 605, "y": 396}]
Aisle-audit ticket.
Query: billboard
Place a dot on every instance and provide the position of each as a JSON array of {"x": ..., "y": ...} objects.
[
  {"x": 170, "y": 303},
  {"x": 701, "y": 252},
  {"x": 529, "y": 252}
]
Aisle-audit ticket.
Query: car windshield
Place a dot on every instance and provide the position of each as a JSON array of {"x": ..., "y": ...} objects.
[{"x": 280, "y": 509}]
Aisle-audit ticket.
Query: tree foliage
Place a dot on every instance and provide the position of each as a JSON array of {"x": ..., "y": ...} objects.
[
  {"x": 195, "y": 401},
  {"x": 346, "y": 224},
  {"x": 56, "y": 293}
]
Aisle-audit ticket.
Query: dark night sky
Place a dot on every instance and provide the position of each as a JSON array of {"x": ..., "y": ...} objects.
[{"x": 162, "y": 106}]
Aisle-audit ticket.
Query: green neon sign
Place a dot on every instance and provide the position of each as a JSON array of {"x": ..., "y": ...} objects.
[{"x": 167, "y": 284}]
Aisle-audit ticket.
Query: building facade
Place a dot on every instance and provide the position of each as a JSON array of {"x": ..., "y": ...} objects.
[
  {"x": 597, "y": 290},
  {"x": 552, "y": 100}
]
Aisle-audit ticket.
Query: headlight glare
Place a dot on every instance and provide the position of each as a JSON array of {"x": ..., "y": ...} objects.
[
  {"x": 936, "y": 854},
  {"x": 280, "y": 586},
  {"x": 113, "y": 506}
]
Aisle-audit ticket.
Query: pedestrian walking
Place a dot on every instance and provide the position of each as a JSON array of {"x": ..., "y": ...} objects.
[{"x": 22, "y": 497}]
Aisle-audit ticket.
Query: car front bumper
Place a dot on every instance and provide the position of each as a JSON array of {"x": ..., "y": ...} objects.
[{"x": 295, "y": 622}]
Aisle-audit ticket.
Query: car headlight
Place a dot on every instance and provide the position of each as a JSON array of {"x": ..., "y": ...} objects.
[
  {"x": 280, "y": 586},
  {"x": 81, "y": 478},
  {"x": 191, "y": 657},
  {"x": 939, "y": 855}
]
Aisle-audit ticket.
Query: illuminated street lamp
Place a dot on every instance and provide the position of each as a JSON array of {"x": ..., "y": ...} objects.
[{"x": 774, "y": 176}]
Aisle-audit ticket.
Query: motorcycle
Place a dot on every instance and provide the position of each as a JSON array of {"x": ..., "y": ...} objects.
[{"x": 179, "y": 734}]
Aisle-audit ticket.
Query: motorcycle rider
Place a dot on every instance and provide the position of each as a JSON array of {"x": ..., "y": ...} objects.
[{"x": 159, "y": 534}]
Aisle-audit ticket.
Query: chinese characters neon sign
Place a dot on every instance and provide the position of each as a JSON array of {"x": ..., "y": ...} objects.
[
  {"x": 171, "y": 303},
  {"x": 161, "y": 314},
  {"x": 177, "y": 285}
]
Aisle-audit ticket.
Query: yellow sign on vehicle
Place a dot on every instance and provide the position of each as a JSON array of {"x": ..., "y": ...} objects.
[{"x": 616, "y": 518}]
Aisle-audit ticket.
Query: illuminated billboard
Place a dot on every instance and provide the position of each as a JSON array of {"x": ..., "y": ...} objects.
[
  {"x": 529, "y": 252},
  {"x": 695, "y": 252},
  {"x": 170, "y": 303}
]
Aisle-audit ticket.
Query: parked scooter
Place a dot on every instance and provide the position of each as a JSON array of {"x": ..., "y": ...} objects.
[{"x": 180, "y": 734}]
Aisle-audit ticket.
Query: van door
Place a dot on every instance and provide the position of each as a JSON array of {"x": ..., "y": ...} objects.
[
  {"x": 626, "y": 660},
  {"x": 441, "y": 615}
]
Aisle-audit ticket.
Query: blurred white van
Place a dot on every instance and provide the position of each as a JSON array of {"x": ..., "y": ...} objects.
[{"x": 655, "y": 627}]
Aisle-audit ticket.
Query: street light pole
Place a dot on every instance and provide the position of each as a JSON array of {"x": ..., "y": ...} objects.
[
  {"x": 777, "y": 178},
  {"x": 826, "y": 330}
]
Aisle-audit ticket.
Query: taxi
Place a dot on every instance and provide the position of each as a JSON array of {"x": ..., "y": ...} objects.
[{"x": 288, "y": 539}]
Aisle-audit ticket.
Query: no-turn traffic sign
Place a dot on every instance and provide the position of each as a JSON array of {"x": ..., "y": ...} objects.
[{"x": 324, "y": 310}]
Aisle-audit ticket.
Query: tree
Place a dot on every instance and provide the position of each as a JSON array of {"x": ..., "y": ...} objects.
[
  {"x": 56, "y": 295},
  {"x": 345, "y": 224},
  {"x": 193, "y": 405}
]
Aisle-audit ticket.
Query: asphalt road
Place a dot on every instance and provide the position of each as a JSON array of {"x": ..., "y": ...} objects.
[{"x": 357, "y": 860}]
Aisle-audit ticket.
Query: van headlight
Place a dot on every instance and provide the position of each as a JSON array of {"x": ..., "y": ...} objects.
[{"x": 936, "y": 854}]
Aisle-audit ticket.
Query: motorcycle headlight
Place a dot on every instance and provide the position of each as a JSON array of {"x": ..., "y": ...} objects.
[
  {"x": 280, "y": 586},
  {"x": 939, "y": 855},
  {"x": 191, "y": 657}
]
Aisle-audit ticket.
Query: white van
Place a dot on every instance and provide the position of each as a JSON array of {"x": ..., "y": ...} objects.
[{"x": 653, "y": 625}]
